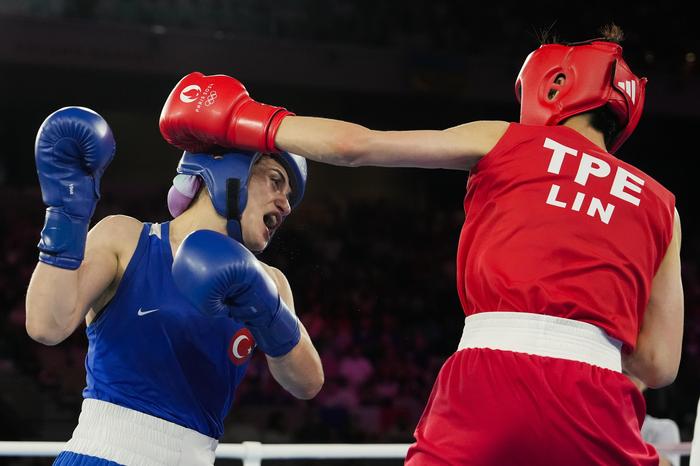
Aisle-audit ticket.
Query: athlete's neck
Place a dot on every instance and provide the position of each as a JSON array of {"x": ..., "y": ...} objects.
[
  {"x": 201, "y": 215},
  {"x": 582, "y": 124}
]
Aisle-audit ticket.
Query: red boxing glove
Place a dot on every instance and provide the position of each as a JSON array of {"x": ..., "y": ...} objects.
[{"x": 203, "y": 112}]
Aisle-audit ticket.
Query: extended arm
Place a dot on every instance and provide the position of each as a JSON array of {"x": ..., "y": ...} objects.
[
  {"x": 236, "y": 120},
  {"x": 341, "y": 143}
]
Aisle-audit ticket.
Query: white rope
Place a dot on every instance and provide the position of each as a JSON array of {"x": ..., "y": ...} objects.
[
  {"x": 256, "y": 451},
  {"x": 321, "y": 450},
  {"x": 30, "y": 448}
]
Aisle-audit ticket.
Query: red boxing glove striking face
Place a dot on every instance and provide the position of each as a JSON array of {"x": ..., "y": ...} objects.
[{"x": 203, "y": 112}]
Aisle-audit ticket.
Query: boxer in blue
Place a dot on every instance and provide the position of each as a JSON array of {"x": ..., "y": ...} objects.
[{"x": 173, "y": 310}]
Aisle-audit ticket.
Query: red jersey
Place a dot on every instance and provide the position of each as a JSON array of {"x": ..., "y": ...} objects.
[{"x": 555, "y": 225}]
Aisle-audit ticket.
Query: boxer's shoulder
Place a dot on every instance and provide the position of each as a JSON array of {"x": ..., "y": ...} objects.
[
  {"x": 117, "y": 235},
  {"x": 480, "y": 137},
  {"x": 110, "y": 246}
]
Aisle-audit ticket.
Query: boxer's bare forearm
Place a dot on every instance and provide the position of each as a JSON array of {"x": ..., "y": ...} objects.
[
  {"x": 51, "y": 304},
  {"x": 347, "y": 144},
  {"x": 300, "y": 371},
  {"x": 323, "y": 140},
  {"x": 58, "y": 299}
]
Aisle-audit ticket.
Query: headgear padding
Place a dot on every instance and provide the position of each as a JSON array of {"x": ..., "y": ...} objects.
[
  {"x": 595, "y": 75},
  {"x": 226, "y": 178},
  {"x": 182, "y": 192}
]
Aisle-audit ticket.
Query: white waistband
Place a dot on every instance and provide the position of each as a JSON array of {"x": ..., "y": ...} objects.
[
  {"x": 125, "y": 436},
  {"x": 542, "y": 335}
]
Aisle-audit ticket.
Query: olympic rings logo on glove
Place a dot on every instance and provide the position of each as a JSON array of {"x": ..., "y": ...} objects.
[{"x": 211, "y": 98}]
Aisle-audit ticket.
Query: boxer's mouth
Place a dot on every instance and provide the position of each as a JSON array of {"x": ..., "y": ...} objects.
[{"x": 272, "y": 221}]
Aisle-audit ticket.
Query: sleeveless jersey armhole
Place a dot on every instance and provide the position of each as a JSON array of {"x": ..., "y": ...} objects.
[
  {"x": 165, "y": 242},
  {"x": 135, "y": 258},
  {"x": 495, "y": 150},
  {"x": 514, "y": 135},
  {"x": 670, "y": 230}
]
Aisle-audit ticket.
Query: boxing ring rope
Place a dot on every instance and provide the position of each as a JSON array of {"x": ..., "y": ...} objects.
[{"x": 252, "y": 453}]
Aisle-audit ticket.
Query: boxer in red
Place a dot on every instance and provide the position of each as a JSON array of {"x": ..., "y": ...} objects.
[{"x": 568, "y": 265}]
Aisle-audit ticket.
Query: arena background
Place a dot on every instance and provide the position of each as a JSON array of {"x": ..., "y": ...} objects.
[{"x": 370, "y": 252}]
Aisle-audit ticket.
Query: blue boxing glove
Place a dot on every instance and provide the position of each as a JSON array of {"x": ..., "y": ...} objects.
[
  {"x": 221, "y": 277},
  {"x": 73, "y": 147}
]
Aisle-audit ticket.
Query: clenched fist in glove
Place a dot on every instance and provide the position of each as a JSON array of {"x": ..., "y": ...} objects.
[
  {"x": 73, "y": 147},
  {"x": 205, "y": 112},
  {"x": 219, "y": 276}
]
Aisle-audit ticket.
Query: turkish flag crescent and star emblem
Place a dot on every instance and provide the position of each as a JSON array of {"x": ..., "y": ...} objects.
[{"x": 241, "y": 346}]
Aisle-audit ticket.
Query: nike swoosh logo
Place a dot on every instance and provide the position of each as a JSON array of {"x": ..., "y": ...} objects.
[{"x": 143, "y": 313}]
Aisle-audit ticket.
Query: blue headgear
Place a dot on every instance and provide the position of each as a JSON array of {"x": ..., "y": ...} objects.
[{"x": 226, "y": 177}]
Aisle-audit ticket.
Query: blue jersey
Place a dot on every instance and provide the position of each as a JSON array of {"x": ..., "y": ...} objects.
[{"x": 152, "y": 351}]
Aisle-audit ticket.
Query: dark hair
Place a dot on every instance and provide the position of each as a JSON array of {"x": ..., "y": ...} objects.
[
  {"x": 603, "y": 120},
  {"x": 610, "y": 32},
  {"x": 547, "y": 36}
]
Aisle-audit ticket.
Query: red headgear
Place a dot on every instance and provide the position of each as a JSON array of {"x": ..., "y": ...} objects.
[{"x": 595, "y": 75}]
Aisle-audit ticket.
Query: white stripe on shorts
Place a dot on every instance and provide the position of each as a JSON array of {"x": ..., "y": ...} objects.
[
  {"x": 542, "y": 335},
  {"x": 126, "y": 436}
]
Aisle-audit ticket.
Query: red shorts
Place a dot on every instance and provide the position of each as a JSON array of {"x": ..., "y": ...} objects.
[{"x": 494, "y": 407}]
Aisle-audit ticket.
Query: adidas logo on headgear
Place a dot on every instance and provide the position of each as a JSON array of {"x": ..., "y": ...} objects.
[{"x": 629, "y": 88}]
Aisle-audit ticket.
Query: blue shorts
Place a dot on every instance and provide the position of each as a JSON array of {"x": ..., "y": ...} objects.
[{"x": 68, "y": 458}]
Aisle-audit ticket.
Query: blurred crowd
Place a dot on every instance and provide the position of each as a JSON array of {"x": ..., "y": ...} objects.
[
  {"x": 374, "y": 284},
  {"x": 417, "y": 25}
]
